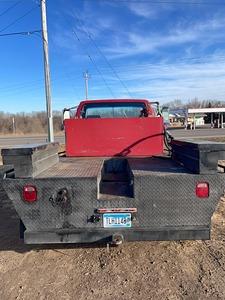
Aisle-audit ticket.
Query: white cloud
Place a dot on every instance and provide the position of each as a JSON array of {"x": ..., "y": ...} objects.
[
  {"x": 148, "y": 10},
  {"x": 131, "y": 43},
  {"x": 203, "y": 78},
  {"x": 179, "y": 80},
  {"x": 187, "y": 79},
  {"x": 142, "y": 9}
]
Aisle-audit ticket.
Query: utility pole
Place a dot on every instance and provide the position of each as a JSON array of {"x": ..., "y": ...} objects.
[
  {"x": 47, "y": 72},
  {"x": 13, "y": 125},
  {"x": 86, "y": 78}
]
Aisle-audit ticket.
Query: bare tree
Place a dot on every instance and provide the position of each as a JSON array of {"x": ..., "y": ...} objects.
[{"x": 25, "y": 123}]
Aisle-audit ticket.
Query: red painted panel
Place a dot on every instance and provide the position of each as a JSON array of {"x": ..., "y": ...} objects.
[{"x": 114, "y": 137}]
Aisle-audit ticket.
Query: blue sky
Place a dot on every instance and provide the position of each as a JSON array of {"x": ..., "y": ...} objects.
[{"x": 161, "y": 50}]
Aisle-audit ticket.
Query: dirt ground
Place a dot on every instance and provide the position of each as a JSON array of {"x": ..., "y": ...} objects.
[{"x": 144, "y": 270}]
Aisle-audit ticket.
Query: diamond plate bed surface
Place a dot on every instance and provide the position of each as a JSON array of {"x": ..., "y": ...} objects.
[
  {"x": 90, "y": 167},
  {"x": 74, "y": 167},
  {"x": 155, "y": 166}
]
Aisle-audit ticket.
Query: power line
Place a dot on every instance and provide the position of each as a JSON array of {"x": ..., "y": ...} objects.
[
  {"x": 20, "y": 33},
  {"x": 103, "y": 55},
  {"x": 18, "y": 19},
  {"x": 94, "y": 63},
  {"x": 132, "y": 68},
  {"x": 103, "y": 78},
  {"x": 10, "y": 7},
  {"x": 162, "y": 2},
  {"x": 30, "y": 84},
  {"x": 96, "y": 67}
]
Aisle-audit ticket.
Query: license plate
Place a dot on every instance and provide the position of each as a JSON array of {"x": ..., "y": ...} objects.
[{"x": 117, "y": 220}]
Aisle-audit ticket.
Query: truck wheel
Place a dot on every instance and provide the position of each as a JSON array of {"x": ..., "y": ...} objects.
[{"x": 22, "y": 229}]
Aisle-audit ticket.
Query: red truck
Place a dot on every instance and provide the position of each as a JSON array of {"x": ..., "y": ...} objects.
[{"x": 115, "y": 183}]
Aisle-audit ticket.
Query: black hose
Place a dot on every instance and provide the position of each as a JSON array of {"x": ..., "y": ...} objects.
[{"x": 167, "y": 140}]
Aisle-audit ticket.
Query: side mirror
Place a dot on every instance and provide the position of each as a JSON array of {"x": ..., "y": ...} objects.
[
  {"x": 165, "y": 115},
  {"x": 66, "y": 114}
]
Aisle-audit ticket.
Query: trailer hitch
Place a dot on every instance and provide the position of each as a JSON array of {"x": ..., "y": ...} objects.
[
  {"x": 62, "y": 200},
  {"x": 117, "y": 239}
]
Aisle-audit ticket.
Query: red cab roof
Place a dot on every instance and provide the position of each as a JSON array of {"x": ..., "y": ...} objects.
[
  {"x": 113, "y": 100},
  {"x": 145, "y": 101}
]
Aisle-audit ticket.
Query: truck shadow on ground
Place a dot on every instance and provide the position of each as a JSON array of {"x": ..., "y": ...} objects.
[{"x": 10, "y": 240}]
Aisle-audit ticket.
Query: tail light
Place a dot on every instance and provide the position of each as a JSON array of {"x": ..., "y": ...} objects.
[
  {"x": 29, "y": 193},
  {"x": 202, "y": 190}
]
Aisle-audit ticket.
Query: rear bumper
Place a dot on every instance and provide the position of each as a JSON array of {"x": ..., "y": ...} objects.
[{"x": 107, "y": 236}]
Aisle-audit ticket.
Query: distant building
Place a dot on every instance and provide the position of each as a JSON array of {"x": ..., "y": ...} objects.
[
  {"x": 199, "y": 119},
  {"x": 194, "y": 117},
  {"x": 177, "y": 117},
  {"x": 216, "y": 115}
]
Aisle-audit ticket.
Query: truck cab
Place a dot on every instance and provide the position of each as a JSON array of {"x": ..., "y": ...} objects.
[{"x": 119, "y": 127}]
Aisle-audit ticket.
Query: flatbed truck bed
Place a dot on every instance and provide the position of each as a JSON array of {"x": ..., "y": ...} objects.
[{"x": 76, "y": 194}]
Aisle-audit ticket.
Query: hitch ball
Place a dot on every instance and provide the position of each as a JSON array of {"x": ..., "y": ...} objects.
[{"x": 117, "y": 239}]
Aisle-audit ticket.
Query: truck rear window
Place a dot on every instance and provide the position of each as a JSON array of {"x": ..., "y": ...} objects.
[{"x": 113, "y": 110}]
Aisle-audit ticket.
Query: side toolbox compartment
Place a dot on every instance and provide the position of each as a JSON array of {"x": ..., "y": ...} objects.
[
  {"x": 31, "y": 159},
  {"x": 200, "y": 157}
]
